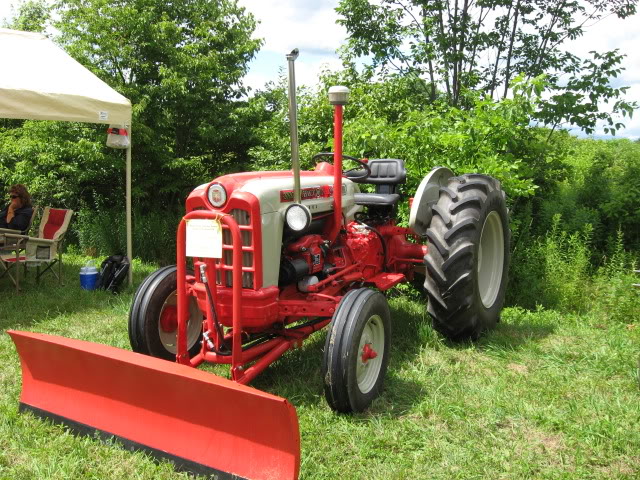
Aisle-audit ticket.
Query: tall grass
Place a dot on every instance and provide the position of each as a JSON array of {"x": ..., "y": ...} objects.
[
  {"x": 610, "y": 295},
  {"x": 104, "y": 233},
  {"x": 562, "y": 271}
]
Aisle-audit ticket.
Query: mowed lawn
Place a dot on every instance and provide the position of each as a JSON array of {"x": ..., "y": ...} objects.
[{"x": 545, "y": 395}]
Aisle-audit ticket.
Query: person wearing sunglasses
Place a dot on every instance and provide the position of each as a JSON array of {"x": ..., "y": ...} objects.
[{"x": 17, "y": 214}]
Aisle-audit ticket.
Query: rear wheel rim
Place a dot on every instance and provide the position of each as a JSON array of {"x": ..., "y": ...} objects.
[
  {"x": 169, "y": 340},
  {"x": 490, "y": 259},
  {"x": 368, "y": 369}
]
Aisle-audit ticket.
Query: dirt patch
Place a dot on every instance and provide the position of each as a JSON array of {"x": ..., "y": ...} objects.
[
  {"x": 548, "y": 446},
  {"x": 622, "y": 466},
  {"x": 518, "y": 368}
]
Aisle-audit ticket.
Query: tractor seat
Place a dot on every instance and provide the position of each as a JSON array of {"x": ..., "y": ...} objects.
[
  {"x": 384, "y": 171},
  {"x": 377, "y": 199},
  {"x": 386, "y": 175}
]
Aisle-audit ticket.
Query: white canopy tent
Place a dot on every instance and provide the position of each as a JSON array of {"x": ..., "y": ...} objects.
[{"x": 40, "y": 81}]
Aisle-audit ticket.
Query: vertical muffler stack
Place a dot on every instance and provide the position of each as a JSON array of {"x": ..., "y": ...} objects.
[
  {"x": 203, "y": 423},
  {"x": 293, "y": 125}
]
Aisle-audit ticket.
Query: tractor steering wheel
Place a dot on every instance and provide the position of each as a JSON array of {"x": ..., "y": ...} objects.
[{"x": 367, "y": 169}]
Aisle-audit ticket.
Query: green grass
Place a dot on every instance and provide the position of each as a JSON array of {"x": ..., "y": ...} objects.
[{"x": 545, "y": 395}]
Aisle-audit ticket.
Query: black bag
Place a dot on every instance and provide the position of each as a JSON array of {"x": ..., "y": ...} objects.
[{"x": 113, "y": 271}]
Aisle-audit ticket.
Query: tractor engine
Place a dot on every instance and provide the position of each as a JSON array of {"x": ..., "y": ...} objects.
[
  {"x": 304, "y": 262},
  {"x": 311, "y": 258}
]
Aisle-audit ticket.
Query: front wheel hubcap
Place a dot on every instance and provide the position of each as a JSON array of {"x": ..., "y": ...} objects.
[
  {"x": 168, "y": 324},
  {"x": 370, "y": 354}
]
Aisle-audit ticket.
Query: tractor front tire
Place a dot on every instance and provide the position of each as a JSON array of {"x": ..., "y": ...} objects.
[
  {"x": 153, "y": 317},
  {"x": 356, "y": 352},
  {"x": 468, "y": 256}
]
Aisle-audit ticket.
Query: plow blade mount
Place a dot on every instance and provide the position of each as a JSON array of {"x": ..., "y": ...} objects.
[{"x": 203, "y": 423}]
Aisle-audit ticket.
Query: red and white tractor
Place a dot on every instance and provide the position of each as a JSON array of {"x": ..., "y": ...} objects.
[{"x": 277, "y": 256}]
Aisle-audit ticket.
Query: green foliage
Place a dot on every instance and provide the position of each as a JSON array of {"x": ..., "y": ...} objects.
[
  {"x": 31, "y": 16},
  {"x": 602, "y": 189},
  {"x": 613, "y": 297},
  {"x": 388, "y": 120},
  {"x": 556, "y": 271},
  {"x": 181, "y": 64},
  {"x": 553, "y": 270},
  {"x": 580, "y": 101},
  {"x": 491, "y": 137},
  {"x": 598, "y": 187},
  {"x": 103, "y": 232},
  {"x": 63, "y": 164},
  {"x": 273, "y": 150}
]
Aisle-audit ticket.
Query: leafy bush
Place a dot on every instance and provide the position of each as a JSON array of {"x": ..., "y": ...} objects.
[
  {"x": 383, "y": 120},
  {"x": 556, "y": 271},
  {"x": 603, "y": 189},
  {"x": 63, "y": 164}
]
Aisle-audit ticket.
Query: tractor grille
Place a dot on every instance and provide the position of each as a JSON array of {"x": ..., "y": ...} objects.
[{"x": 243, "y": 218}]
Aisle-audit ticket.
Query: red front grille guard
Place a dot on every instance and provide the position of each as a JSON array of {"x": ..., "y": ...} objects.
[
  {"x": 263, "y": 354},
  {"x": 183, "y": 301}
]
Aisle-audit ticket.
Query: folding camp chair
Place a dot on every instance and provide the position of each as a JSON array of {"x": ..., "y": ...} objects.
[
  {"x": 12, "y": 243},
  {"x": 46, "y": 248}
]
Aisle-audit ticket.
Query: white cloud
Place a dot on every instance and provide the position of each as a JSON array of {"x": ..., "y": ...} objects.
[
  {"x": 5, "y": 9},
  {"x": 287, "y": 24},
  {"x": 608, "y": 34},
  {"x": 307, "y": 70},
  {"x": 284, "y": 25},
  {"x": 611, "y": 33}
]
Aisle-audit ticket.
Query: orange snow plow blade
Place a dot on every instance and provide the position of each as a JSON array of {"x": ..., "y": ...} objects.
[{"x": 203, "y": 423}]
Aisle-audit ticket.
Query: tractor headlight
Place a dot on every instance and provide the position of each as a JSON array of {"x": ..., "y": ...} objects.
[
  {"x": 298, "y": 217},
  {"x": 217, "y": 195}
]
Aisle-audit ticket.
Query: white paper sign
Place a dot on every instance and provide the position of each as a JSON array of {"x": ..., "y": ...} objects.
[
  {"x": 103, "y": 116},
  {"x": 204, "y": 238}
]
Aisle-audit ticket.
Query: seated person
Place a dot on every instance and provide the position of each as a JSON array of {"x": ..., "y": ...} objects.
[{"x": 17, "y": 215}]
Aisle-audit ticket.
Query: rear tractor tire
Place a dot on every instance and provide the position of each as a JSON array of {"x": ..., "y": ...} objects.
[
  {"x": 356, "y": 352},
  {"x": 468, "y": 256},
  {"x": 153, "y": 319}
]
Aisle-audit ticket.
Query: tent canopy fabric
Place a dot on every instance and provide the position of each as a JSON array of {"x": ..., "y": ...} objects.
[{"x": 40, "y": 81}]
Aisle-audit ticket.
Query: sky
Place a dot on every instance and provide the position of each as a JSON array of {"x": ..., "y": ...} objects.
[{"x": 310, "y": 26}]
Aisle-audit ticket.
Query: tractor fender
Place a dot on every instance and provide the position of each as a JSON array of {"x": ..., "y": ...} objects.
[{"x": 426, "y": 196}]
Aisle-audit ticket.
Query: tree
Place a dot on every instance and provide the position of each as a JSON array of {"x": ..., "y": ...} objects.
[
  {"x": 32, "y": 16},
  {"x": 181, "y": 64},
  {"x": 459, "y": 45}
]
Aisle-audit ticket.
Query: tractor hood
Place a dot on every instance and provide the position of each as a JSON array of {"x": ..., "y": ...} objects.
[{"x": 276, "y": 193}]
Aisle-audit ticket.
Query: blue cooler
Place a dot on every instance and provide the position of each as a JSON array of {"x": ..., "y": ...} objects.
[{"x": 88, "y": 277}]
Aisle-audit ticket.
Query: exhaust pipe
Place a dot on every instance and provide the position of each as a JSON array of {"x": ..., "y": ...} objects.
[{"x": 293, "y": 123}]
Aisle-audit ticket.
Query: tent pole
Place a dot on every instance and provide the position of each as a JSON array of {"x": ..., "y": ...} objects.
[{"x": 129, "y": 229}]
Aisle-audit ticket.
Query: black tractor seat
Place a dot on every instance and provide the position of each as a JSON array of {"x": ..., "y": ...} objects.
[{"x": 386, "y": 175}]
